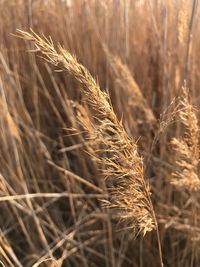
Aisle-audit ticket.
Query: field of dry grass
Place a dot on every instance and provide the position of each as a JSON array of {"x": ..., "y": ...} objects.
[{"x": 99, "y": 133}]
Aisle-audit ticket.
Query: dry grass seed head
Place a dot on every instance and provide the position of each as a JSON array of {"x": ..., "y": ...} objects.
[
  {"x": 187, "y": 149},
  {"x": 129, "y": 193}
]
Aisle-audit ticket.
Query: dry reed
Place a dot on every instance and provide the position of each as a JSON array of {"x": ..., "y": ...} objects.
[
  {"x": 129, "y": 193},
  {"x": 52, "y": 179},
  {"x": 187, "y": 149}
]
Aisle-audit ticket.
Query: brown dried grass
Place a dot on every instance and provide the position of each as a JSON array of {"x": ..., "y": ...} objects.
[{"x": 52, "y": 178}]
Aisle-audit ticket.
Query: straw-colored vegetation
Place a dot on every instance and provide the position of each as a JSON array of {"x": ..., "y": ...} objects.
[{"x": 99, "y": 133}]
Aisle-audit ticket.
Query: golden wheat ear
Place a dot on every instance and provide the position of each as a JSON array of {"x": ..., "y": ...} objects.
[{"x": 123, "y": 168}]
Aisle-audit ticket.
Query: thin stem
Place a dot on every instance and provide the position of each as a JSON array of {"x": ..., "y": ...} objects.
[
  {"x": 188, "y": 49},
  {"x": 157, "y": 232},
  {"x": 158, "y": 240}
]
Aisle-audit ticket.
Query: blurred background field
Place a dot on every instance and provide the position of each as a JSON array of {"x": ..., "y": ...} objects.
[{"x": 142, "y": 53}]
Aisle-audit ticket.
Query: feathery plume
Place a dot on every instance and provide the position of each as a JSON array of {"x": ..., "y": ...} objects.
[
  {"x": 129, "y": 195},
  {"x": 187, "y": 148},
  {"x": 138, "y": 114}
]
